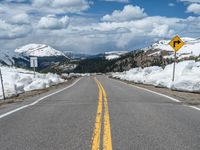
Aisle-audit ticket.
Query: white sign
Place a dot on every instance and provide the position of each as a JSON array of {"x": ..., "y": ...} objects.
[{"x": 34, "y": 62}]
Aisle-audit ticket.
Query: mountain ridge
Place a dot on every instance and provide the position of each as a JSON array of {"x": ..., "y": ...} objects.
[{"x": 38, "y": 50}]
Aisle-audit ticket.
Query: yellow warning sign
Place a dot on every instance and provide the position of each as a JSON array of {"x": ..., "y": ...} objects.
[{"x": 176, "y": 43}]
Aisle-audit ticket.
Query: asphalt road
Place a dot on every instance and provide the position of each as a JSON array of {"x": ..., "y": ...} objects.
[{"x": 107, "y": 114}]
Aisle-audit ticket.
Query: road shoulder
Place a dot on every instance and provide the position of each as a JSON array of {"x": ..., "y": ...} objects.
[{"x": 185, "y": 97}]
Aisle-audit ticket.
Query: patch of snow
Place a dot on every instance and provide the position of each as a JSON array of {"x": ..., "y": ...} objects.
[
  {"x": 18, "y": 80},
  {"x": 155, "y": 53},
  {"x": 110, "y": 57},
  {"x": 187, "y": 76},
  {"x": 114, "y": 54}
]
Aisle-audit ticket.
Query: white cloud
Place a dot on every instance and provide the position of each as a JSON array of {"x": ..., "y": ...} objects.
[
  {"x": 11, "y": 31},
  {"x": 62, "y": 6},
  {"x": 54, "y": 23},
  {"x": 194, "y": 8},
  {"x": 20, "y": 19},
  {"x": 129, "y": 12},
  {"x": 161, "y": 31},
  {"x": 124, "y": 35},
  {"x": 190, "y": 1},
  {"x": 171, "y": 4}
]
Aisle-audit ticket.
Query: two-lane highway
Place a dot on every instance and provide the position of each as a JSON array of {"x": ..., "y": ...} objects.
[{"x": 101, "y": 113}]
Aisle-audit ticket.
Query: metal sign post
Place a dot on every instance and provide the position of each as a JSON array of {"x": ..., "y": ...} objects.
[
  {"x": 4, "y": 97},
  {"x": 176, "y": 43},
  {"x": 34, "y": 63},
  {"x": 174, "y": 68}
]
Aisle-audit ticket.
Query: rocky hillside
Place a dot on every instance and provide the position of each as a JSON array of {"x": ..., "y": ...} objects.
[{"x": 158, "y": 54}]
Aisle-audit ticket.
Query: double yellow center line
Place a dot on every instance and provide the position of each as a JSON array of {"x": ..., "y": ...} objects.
[{"x": 102, "y": 117}]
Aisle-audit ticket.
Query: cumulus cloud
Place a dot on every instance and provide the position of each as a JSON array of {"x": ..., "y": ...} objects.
[
  {"x": 190, "y": 1},
  {"x": 126, "y": 34},
  {"x": 62, "y": 6},
  {"x": 11, "y": 31},
  {"x": 129, "y": 12},
  {"x": 20, "y": 19},
  {"x": 194, "y": 8},
  {"x": 54, "y": 23}
]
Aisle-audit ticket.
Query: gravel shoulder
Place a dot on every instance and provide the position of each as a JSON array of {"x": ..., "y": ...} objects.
[{"x": 185, "y": 97}]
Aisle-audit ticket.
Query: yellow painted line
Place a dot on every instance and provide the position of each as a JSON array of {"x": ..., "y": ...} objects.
[
  {"x": 96, "y": 138},
  {"x": 107, "y": 139},
  {"x": 97, "y": 128}
]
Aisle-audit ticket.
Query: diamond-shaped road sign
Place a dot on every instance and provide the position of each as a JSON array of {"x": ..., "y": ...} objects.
[{"x": 176, "y": 43}]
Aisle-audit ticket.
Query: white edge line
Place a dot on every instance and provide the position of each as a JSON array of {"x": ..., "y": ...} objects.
[
  {"x": 171, "y": 98},
  {"x": 194, "y": 107},
  {"x": 37, "y": 101}
]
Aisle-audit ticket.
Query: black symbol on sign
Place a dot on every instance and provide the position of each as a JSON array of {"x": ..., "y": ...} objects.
[{"x": 176, "y": 42}]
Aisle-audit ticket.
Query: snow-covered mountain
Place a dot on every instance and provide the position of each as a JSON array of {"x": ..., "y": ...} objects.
[
  {"x": 39, "y": 50},
  {"x": 114, "y": 54},
  {"x": 191, "y": 48}
]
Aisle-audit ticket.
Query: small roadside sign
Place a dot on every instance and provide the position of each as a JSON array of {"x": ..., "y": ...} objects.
[
  {"x": 33, "y": 62},
  {"x": 176, "y": 43}
]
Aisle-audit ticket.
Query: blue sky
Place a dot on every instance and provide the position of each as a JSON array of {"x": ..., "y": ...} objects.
[
  {"x": 152, "y": 7},
  {"x": 95, "y": 26}
]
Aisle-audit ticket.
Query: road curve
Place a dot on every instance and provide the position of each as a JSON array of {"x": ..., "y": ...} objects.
[{"x": 137, "y": 120}]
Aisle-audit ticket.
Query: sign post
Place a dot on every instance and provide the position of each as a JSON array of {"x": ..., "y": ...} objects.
[
  {"x": 4, "y": 97},
  {"x": 34, "y": 63},
  {"x": 176, "y": 43}
]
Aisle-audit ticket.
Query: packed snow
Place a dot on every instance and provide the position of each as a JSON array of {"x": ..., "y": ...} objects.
[
  {"x": 114, "y": 54},
  {"x": 18, "y": 80},
  {"x": 38, "y": 50},
  {"x": 187, "y": 76},
  {"x": 110, "y": 57}
]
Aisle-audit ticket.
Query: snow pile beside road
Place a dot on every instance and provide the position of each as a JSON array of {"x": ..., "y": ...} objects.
[
  {"x": 18, "y": 80},
  {"x": 187, "y": 76}
]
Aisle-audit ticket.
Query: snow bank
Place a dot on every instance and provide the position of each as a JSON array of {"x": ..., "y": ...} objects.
[
  {"x": 187, "y": 76},
  {"x": 18, "y": 80}
]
